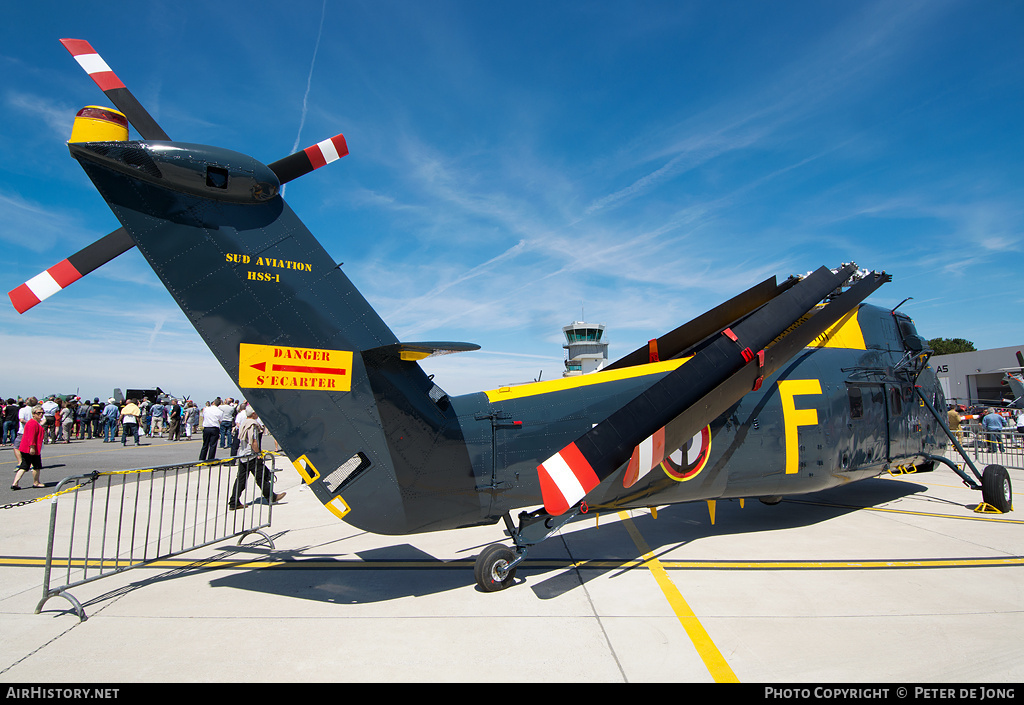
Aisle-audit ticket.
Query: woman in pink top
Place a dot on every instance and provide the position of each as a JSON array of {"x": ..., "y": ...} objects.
[{"x": 31, "y": 449}]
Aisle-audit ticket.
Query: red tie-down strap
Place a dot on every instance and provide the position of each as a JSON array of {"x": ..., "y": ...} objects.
[
  {"x": 747, "y": 353},
  {"x": 760, "y": 371}
]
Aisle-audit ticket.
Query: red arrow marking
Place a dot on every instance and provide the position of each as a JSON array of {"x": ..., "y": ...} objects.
[
  {"x": 262, "y": 367},
  {"x": 310, "y": 370}
]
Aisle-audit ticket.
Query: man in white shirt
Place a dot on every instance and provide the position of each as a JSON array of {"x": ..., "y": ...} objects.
[
  {"x": 212, "y": 416},
  {"x": 49, "y": 423}
]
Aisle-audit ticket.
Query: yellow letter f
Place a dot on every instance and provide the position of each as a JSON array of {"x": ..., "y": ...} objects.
[{"x": 793, "y": 417}]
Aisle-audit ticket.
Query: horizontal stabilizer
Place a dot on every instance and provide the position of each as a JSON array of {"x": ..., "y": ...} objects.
[{"x": 421, "y": 351}]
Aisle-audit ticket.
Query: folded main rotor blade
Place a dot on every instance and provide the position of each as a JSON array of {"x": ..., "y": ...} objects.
[
  {"x": 675, "y": 342},
  {"x": 114, "y": 89},
  {"x": 571, "y": 473},
  {"x": 70, "y": 270},
  {"x": 716, "y": 402}
]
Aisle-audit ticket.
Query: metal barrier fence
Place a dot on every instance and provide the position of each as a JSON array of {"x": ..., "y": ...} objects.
[
  {"x": 109, "y": 522},
  {"x": 1004, "y": 448}
]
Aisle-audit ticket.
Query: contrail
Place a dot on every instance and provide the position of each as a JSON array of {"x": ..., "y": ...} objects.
[{"x": 309, "y": 83}]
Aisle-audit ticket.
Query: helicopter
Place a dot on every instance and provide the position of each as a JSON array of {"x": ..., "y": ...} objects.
[
  {"x": 1014, "y": 378},
  {"x": 787, "y": 388}
]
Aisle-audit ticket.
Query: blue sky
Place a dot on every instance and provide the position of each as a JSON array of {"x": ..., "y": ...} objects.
[{"x": 515, "y": 166}]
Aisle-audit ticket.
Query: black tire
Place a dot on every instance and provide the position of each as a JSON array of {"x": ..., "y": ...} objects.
[
  {"x": 996, "y": 489},
  {"x": 494, "y": 558},
  {"x": 770, "y": 500}
]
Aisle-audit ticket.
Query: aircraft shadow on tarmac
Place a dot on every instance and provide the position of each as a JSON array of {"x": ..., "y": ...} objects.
[
  {"x": 403, "y": 570},
  {"x": 384, "y": 574},
  {"x": 681, "y": 524}
]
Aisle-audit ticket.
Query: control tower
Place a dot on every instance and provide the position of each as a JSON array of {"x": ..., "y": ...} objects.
[{"x": 586, "y": 349}]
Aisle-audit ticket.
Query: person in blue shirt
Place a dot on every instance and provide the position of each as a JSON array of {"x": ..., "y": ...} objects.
[
  {"x": 110, "y": 416},
  {"x": 157, "y": 412},
  {"x": 993, "y": 425}
]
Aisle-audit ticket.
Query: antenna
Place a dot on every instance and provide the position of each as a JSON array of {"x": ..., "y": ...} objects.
[{"x": 901, "y": 303}]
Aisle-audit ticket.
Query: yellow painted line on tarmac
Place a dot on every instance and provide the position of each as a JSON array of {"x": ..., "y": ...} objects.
[
  {"x": 212, "y": 564},
  {"x": 706, "y": 649},
  {"x": 465, "y": 564},
  {"x": 900, "y": 564}
]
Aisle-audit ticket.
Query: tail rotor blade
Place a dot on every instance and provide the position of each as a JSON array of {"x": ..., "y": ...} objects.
[
  {"x": 70, "y": 270},
  {"x": 301, "y": 163},
  {"x": 64, "y": 273},
  {"x": 114, "y": 89}
]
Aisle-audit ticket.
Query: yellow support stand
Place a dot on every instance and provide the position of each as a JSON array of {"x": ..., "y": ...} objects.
[
  {"x": 986, "y": 508},
  {"x": 711, "y": 510}
]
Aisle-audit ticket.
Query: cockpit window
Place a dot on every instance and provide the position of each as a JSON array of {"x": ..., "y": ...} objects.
[{"x": 908, "y": 334}]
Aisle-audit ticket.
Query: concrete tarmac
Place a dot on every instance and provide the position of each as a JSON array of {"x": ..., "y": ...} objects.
[{"x": 889, "y": 580}]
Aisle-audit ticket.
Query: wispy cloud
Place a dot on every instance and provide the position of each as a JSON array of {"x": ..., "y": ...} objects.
[
  {"x": 55, "y": 114},
  {"x": 309, "y": 83}
]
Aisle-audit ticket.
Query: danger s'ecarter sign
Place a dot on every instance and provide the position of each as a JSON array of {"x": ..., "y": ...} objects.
[{"x": 286, "y": 367}]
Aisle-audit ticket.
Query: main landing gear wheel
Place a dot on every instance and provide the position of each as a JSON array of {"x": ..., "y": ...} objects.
[
  {"x": 490, "y": 567},
  {"x": 996, "y": 489}
]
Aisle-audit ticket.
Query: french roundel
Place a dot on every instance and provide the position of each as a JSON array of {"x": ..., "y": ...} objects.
[{"x": 687, "y": 462}]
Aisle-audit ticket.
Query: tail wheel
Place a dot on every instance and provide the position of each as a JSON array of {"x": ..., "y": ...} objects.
[
  {"x": 996, "y": 489},
  {"x": 491, "y": 566}
]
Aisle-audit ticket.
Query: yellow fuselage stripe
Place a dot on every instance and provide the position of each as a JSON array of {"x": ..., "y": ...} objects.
[
  {"x": 557, "y": 385},
  {"x": 844, "y": 333}
]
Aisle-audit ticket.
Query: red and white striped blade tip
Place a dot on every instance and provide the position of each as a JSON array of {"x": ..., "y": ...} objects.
[
  {"x": 92, "y": 63},
  {"x": 327, "y": 151},
  {"x": 43, "y": 285},
  {"x": 565, "y": 478}
]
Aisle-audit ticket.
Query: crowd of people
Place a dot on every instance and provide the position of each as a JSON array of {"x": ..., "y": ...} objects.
[{"x": 28, "y": 425}]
